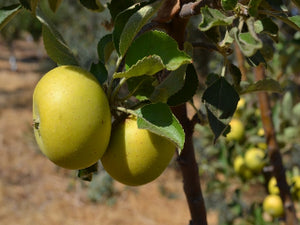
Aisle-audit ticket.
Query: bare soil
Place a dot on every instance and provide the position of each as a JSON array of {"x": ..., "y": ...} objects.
[{"x": 33, "y": 191}]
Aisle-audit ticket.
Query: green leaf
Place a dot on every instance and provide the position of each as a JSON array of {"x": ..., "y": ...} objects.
[
  {"x": 213, "y": 17},
  {"x": 293, "y": 21},
  {"x": 54, "y": 4},
  {"x": 57, "y": 50},
  {"x": 228, "y": 4},
  {"x": 87, "y": 173},
  {"x": 267, "y": 84},
  {"x": 246, "y": 42},
  {"x": 120, "y": 23},
  {"x": 158, "y": 118},
  {"x": 157, "y": 43},
  {"x": 135, "y": 23},
  {"x": 7, "y": 13},
  {"x": 169, "y": 86},
  {"x": 99, "y": 71},
  {"x": 141, "y": 87},
  {"x": 190, "y": 86},
  {"x": 253, "y": 7},
  {"x": 54, "y": 43},
  {"x": 296, "y": 111},
  {"x": 266, "y": 25},
  {"x": 116, "y": 6},
  {"x": 256, "y": 59},
  {"x": 287, "y": 105},
  {"x": 93, "y": 5},
  {"x": 105, "y": 47},
  {"x": 148, "y": 65},
  {"x": 220, "y": 100}
]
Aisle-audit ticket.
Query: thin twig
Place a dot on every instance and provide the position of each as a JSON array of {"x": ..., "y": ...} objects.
[{"x": 194, "y": 8}]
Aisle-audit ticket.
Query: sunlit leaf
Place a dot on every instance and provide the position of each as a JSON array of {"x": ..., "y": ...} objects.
[
  {"x": 54, "y": 43},
  {"x": 159, "y": 119},
  {"x": 246, "y": 42},
  {"x": 149, "y": 65},
  {"x": 120, "y": 22},
  {"x": 135, "y": 23},
  {"x": 213, "y": 17},
  {"x": 157, "y": 43}
]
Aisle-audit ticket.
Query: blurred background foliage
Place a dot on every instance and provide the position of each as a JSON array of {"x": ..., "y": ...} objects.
[{"x": 82, "y": 29}]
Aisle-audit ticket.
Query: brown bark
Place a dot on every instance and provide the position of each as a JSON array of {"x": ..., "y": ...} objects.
[
  {"x": 189, "y": 170},
  {"x": 274, "y": 152},
  {"x": 241, "y": 61},
  {"x": 188, "y": 165}
]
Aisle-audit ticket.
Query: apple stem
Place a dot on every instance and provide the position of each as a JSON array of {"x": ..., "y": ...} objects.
[
  {"x": 117, "y": 88},
  {"x": 125, "y": 110}
]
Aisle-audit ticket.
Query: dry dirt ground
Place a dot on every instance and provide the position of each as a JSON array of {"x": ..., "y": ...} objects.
[{"x": 33, "y": 191}]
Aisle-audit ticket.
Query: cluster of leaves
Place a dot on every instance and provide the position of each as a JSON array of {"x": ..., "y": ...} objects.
[{"x": 156, "y": 73}]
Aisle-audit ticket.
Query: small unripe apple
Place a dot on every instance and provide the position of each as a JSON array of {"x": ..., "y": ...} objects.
[
  {"x": 136, "y": 156},
  {"x": 273, "y": 187},
  {"x": 72, "y": 120},
  {"x": 237, "y": 130},
  {"x": 255, "y": 159},
  {"x": 241, "y": 169},
  {"x": 273, "y": 205}
]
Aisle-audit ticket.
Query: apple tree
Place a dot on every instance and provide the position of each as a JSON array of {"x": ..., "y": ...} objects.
[{"x": 155, "y": 76}]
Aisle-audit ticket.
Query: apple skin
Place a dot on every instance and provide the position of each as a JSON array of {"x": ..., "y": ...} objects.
[
  {"x": 254, "y": 159},
  {"x": 72, "y": 120},
  {"x": 136, "y": 156},
  {"x": 273, "y": 205},
  {"x": 237, "y": 130}
]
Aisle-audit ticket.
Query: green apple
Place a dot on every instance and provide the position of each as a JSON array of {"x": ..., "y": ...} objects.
[
  {"x": 255, "y": 159},
  {"x": 241, "y": 169},
  {"x": 273, "y": 187},
  {"x": 273, "y": 205},
  {"x": 136, "y": 156},
  {"x": 71, "y": 115},
  {"x": 237, "y": 130}
]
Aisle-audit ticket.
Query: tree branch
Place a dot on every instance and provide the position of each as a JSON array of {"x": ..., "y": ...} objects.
[
  {"x": 194, "y": 8},
  {"x": 186, "y": 160},
  {"x": 190, "y": 172},
  {"x": 273, "y": 151}
]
